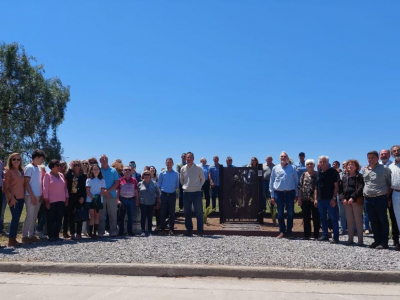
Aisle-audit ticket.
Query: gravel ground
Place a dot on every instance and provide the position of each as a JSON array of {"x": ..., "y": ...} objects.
[{"x": 213, "y": 250}]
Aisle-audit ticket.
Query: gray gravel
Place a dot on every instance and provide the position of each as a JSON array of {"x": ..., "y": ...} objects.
[{"x": 213, "y": 250}]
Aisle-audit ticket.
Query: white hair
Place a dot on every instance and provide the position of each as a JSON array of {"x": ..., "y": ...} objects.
[
  {"x": 285, "y": 153},
  {"x": 310, "y": 161},
  {"x": 324, "y": 157}
]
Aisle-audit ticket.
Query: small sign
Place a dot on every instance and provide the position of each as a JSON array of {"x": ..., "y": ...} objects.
[{"x": 259, "y": 173}]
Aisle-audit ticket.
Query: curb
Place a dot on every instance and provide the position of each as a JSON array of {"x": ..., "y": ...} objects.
[{"x": 200, "y": 271}]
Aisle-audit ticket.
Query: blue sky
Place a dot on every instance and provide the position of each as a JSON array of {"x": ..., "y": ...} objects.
[{"x": 153, "y": 79}]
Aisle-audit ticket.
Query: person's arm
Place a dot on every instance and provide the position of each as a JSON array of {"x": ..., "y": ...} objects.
[
  {"x": 46, "y": 186},
  {"x": 299, "y": 186},
  {"x": 202, "y": 179},
  {"x": 66, "y": 193},
  {"x": 315, "y": 196},
  {"x": 335, "y": 191},
  {"x": 271, "y": 186},
  {"x": 177, "y": 181},
  {"x": 6, "y": 188},
  {"x": 28, "y": 188},
  {"x": 181, "y": 179},
  {"x": 296, "y": 180},
  {"x": 210, "y": 179},
  {"x": 88, "y": 193}
]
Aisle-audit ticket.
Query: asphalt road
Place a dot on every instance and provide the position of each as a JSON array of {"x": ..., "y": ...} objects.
[{"x": 88, "y": 287}]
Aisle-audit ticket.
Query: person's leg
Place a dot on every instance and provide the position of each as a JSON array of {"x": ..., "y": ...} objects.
[
  {"x": 3, "y": 205},
  {"x": 382, "y": 207},
  {"x": 280, "y": 203},
  {"x": 206, "y": 191},
  {"x": 112, "y": 211},
  {"x": 306, "y": 209},
  {"x": 316, "y": 220},
  {"x": 163, "y": 210},
  {"x": 181, "y": 204},
  {"x": 171, "y": 211},
  {"x": 16, "y": 214},
  {"x": 42, "y": 219},
  {"x": 130, "y": 210},
  {"x": 322, "y": 208},
  {"x": 214, "y": 192},
  {"x": 60, "y": 213},
  {"x": 102, "y": 218},
  {"x": 342, "y": 217},
  {"x": 72, "y": 205},
  {"x": 289, "y": 202},
  {"x": 66, "y": 222},
  {"x": 150, "y": 212},
  {"x": 334, "y": 216},
  {"x": 51, "y": 216},
  {"x": 349, "y": 220},
  {"x": 396, "y": 216},
  {"x": 265, "y": 192},
  {"x": 198, "y": 210},
  {"x": 28, "y": 216},
  {"x": 366, "y": 220},
  {"x": 358, "y": 218},
  {"x": 187, "y": 210},
  {"x": 143, "y": 217},
  {"x": 122, "y": 212},
  {"x": 373, "y": 217}
]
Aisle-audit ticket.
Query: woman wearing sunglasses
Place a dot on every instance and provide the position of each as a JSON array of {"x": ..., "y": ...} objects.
[
  {"x": 15, "y": 192},
  {"x": 56, "y": 197}
]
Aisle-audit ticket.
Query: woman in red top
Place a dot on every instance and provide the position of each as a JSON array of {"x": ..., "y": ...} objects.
[{"x": 15, "y": 192}]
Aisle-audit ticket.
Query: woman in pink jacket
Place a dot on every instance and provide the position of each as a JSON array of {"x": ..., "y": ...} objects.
[{"x": 55, "y": 196}]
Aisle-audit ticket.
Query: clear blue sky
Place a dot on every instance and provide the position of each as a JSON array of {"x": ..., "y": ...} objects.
[{"x": 153, "y": 79}]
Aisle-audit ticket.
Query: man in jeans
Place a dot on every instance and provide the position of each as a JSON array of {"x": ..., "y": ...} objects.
[
  {"x": 284, "y": 191},
  {"x": 327, "y": 188},
  {"x": 33, "y": 196},
  {"x": 192, "y": 179},
  {"x": 127, "y": 193},
  {"x": 168, "y": 182},
  {"x": 267, "y": 169},
  {"x": 110, "y": 198},
  {"x": 377, "y": 180}
]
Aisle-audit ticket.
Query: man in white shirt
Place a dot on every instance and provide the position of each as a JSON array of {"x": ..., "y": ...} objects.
[{"x": 395, "y": 198}]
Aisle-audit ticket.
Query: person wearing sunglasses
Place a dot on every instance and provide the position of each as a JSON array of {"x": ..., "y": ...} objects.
[
  {"x": 56, "y": 197},
  {"x": 85, "y": 166},
  {"x": 14, "y": 190},
  {"x": 149, "y": 196},
  {"x": 33, "y": 196},
  {"x": 127, "y": 193},
  {"x": 76, "y": 185}
]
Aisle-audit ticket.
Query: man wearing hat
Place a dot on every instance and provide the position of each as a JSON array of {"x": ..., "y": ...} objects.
[{"x": 301, "y": 166}]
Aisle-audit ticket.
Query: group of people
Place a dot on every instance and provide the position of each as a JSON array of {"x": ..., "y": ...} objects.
[
  {"x": 327, "y": 192},
  {"x": 101, "y": 196}
]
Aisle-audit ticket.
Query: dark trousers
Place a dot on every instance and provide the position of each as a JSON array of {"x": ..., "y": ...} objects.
[
  {"x": 285, "y": 199},
  {"x": 325, "y": 209},
  {"x": 73, "y": 205},
  {"x": 395, "y": 228},
  {"x": 214, "y": 195},
  {"x": 157, "y": 214},
  {"x": 377, "y": 212},
  {"x": 168, "y": 209},
  {"x": 42, "y": 217},
  {"x": 54, "y": 218},
  {"x": 195, "y": 199},
  {"x": 309, "y": 210},
  {"x": 146, "y": 212},
  {"x": 180, "y": 196},
  {"x": 128, "y": 207},
  {"x": 206, "y": 192},
  {"x": 16, "y": 215}
]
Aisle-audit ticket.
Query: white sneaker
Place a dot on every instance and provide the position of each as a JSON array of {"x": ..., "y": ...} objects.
[
  {"x": 40, "y": 234},
  {"x": 106, "y": 233}
]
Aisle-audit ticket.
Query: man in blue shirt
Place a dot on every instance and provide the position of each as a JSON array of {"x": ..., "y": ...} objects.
[
  {"x": 301, "y": 166},
  {"x": 206, "y": 184},
  {"x": 111, "y": 178},
  {"x": 229, "y": 162},
  {"x": 213, "y": 176},
  {"x": 168, "y": 182},
  {"x": 283, "y": 189}
]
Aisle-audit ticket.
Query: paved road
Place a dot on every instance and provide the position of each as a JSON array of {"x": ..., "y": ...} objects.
[{"x": 77, "y": 287}]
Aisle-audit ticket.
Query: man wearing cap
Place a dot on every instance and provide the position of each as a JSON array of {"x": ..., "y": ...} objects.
[
  {"x": 301, "y": 166},
  {"x": 135, "y": 175},
  {"x": 178, "y": 169}
]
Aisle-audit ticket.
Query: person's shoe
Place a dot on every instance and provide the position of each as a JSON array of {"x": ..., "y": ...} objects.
[
  {"x": 342, "y": 232},
  {"x": 162, "y": 233},
  {"x": 200, "y": 234},
  {"x": 94, "y": 237},
  {"x": 349, "y": 243},
  {"x": 66, "y": 235},
  {"x": 26, "y": 241},
  {"x": 78, "y": 237},
  {"x": 72, "y": 237},
  {"x": 305, "y": 238},
  {"x": 131, "y": 234},
  {"x": 373, "y": 245},
  {"x": 143, "y": 234},
  {"x": 397, "y": 248},
  {"x": 40, "y": 234},
  {"x": 4, "y": 233},
  {"x": 366, "y": 231},
  {"x": 360, "y": 244},
  {"x": 380, "y": 247},
  {"x": 171, "y": 233},
  {"x": 289, "y": 236},
  {"x": 106, "y": 234},
  {"x": 188, "y": 233},
  {"x": 52, "y": 239},
  {"x": 334, "y": 241},
  {"x": 281, "y": 235},
  {"x": 34, "y": 239},
  {"x": 12, "y": 242},
  {"x": 323, "y": 239}
]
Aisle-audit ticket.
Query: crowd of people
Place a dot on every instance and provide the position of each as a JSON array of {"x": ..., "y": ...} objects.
[{"x": 102, "y": 196}]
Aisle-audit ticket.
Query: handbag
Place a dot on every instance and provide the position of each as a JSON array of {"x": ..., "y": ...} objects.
[{"x": 81, "y": 215}]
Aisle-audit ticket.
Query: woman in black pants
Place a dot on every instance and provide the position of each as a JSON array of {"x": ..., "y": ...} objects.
[
  {"x": 307, "y": 194},
  {"x": 76, "y": 184},
  {"x": 149, "y": 195}
]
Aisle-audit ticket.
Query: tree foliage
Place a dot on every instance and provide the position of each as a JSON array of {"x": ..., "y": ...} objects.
[{"x": 31, "y": 107}]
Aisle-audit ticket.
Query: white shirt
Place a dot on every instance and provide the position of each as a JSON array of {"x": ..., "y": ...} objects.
[
  {"x": 95, "y": 185},
  {"x": 395, "y": 168},
  {"x": 36, "y": 179},
  {"x": 387, "y": 163}
]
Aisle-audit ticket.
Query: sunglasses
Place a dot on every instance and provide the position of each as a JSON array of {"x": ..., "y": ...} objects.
[
  {"x": 127, "y": 169},
  {"x": 85, "y": 164},
  {"x": 57, "y": 165},
  {"x": 76, "y": 165},
  {"x": 92, "y": 162},
  {"x": 146, "y": 175},
  {"x": 16, "y": 159}
]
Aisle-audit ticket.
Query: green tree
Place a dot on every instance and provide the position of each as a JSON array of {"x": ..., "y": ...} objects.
[{"x": 31, "y": 107}]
